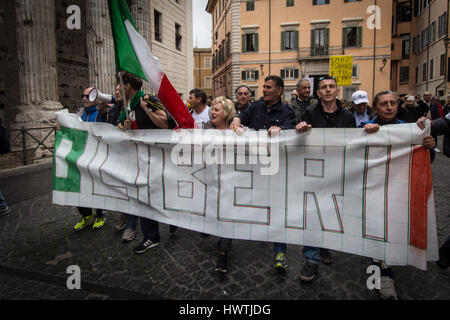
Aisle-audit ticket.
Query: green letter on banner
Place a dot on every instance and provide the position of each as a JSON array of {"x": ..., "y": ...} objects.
[{"x": 73, "y": 179}]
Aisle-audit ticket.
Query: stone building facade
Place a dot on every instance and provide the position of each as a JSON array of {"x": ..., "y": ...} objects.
[
  {"x": 45, "y": 65},
  {"x": 295, "y": 39},
  {"x": 203, "y": 71}
]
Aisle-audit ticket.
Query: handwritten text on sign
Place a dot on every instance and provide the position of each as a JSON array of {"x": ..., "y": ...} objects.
[{"x": 341, "y": 68}]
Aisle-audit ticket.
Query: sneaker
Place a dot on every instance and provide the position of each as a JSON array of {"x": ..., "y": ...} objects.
[
  {"x": 4, "y": 211},
  {"x": 325, "y": 256},
  {"x": 99, "y": 223},
  {"x": 436, "y": 150},
  {"x": 122, "y": 223},
  {"x": 172, "y": 229},
  {"x": 145, "y": 245},
  {"x": 128, "y": 235},
  {"x": 308, "y": 272},
  {"x": 387, "y": 289},
  {"x": 222, "y": 264},
  {"x": 85, "y": 221},
  {"x": 280, "y": 261}
]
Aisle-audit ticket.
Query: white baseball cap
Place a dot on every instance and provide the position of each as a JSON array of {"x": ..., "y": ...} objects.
[{"x": 360, "y": 97}]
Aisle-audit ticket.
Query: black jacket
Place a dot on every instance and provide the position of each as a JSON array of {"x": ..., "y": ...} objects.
[
  {"x": 318, "y": 118},
  {"x": 259, "y": 117},
  {"x": 5, "y": 146},
  {"x": 412, "y": 114},
  {"x": 238, "y": 110},
  {"x": 439, "y": 127}
]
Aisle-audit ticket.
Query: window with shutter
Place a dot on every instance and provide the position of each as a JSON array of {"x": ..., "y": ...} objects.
[
  {"x": 442, "y": 65},
  {"x": 431, "y": 69},
  {"x": 319, "y": 2},
  {"x": 288, "y": 40},
  {"x": 319, "y": 42},
  {"x": 326, "y": 41},
  {"x": 250, "y": 5}
]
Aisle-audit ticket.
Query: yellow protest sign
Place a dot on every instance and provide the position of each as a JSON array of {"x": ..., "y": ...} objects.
[{"x": 341, "y": 68}]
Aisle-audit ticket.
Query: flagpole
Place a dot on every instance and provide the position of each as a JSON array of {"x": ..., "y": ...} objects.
[{"x": 122, "y": 88}]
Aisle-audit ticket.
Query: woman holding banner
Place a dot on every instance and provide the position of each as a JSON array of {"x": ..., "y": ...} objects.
[{"x": 222, "y": 113}]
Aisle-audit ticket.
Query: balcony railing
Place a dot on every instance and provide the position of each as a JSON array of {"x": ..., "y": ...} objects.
[{"x": 309, "y": 53}]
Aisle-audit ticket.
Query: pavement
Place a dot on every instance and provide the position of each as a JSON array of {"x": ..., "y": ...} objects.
[{"x": 38, "y": 245}]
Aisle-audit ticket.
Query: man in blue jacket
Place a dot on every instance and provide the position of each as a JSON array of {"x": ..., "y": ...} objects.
[{"x": 90, "y": 113}]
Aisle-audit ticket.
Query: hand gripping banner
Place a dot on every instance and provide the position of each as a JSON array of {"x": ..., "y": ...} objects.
[{"x": 342, "y": 189}]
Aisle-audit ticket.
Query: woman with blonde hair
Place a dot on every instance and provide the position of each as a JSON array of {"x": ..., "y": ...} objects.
[{"x": 221, "y": 114}]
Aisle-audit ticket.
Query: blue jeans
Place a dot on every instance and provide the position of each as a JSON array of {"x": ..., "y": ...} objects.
[
  {"x": 150, "y": 229},
  {"x": 131, "y": 221},
  {"x": 279, "y": 247},
  {"x": 312, "y": 254},
  {"x": 2, "y": 201}
]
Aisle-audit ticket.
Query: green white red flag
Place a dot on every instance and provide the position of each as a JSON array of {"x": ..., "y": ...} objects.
[{"x": 133, "y": 54}]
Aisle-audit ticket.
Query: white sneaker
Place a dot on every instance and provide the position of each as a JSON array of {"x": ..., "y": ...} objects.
[
  {"x": 128, "y": 235},
  {"x": 387, "y": 289},
  {"x": 436, "y": 150},
  {"x": 122, "y": 223}
]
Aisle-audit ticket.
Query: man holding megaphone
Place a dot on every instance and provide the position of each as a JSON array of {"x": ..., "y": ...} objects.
[{"x": 90, "y": 113}]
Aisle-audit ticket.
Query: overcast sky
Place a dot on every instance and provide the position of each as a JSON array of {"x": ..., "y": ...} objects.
[{"x": 201, "y": 24}]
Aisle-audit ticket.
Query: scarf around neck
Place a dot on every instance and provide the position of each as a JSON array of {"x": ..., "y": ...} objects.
[{"x": 134, "y": 103}]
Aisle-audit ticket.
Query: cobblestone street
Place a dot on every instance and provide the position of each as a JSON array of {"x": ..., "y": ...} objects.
[{"x": 38, "y": 244}]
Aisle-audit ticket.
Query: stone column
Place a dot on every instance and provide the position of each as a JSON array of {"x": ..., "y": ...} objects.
[
  {"x": 102, "y": 68},
  {"x": 38, "y": 79},
  {"x": 36, "y": 49},
  {"x": 141, "y": 12}
]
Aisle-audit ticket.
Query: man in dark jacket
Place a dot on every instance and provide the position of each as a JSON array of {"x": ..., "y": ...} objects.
[
  {"x": 303, "y": 100},
  {"x": 327, "y": 113},
  {"x": 5, "y": 146},
  {"x": 270, "y": 114},
  {"x": 243, "y": 98},
  {"x": 90, "y": 113}
]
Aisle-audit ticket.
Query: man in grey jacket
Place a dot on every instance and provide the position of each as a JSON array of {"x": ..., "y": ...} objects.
[{"x": 303, "y": 100}]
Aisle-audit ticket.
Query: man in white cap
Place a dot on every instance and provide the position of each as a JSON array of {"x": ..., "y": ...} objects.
[
  {"x": 359, "y": 108},
  {"x": 409, "y": 111}
]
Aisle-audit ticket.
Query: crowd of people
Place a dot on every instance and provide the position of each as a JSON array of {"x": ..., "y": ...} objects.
[{"x": 270, "y": 113}]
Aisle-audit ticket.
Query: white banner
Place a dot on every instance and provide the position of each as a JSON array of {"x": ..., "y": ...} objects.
[{"x": 342, "y": 189}]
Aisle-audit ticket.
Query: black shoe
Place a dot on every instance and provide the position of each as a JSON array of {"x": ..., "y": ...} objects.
[
  {"x": 145, "y": 245},
  {"x": 204, "y": 235},
  {"x": 172, "y": 229},
  {"x": 222, "y": 264},
  {"x": 325, "y": 256},
  {"x": 308, "y": 272},
  {"x": 4, "y": 211}
]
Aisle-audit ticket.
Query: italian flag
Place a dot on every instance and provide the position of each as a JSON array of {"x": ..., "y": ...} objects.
[{"x": 132, "y": 54}]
